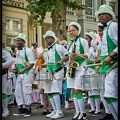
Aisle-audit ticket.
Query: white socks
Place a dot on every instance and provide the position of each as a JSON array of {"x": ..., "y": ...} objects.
[
  {"x": 105, "y": 105},
  {"x": 36, "y": 95},
  {"x": 53, "y": 103},
  {"x": 92, "y": 103},
  {"x": 97, "y": 104},
  {"x": 57, "y": 102},
  {"x": 41, "y": 98},
  {"x": 81, "y": 105},
  {"x": 76, "y": 105},
  {"x": 5, "y": 104}
]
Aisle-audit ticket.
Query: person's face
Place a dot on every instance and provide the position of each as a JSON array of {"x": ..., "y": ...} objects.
[
  {"x": 100, "y": 32},
  {"x": 20, "y": 42},
  {"x": 104, "y": 17},
  {"x": 88, "y": 40},
  {"x": 49, "y": 40},
  {"x": 73, "y": 31}
]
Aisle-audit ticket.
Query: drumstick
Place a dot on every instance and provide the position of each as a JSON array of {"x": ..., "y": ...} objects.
[
  {"x": 94, "y": 64},
  {"x": 84, "y": 58}
]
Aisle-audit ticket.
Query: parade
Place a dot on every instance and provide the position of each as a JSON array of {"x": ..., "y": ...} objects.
[{"x": 75, "y": 79}]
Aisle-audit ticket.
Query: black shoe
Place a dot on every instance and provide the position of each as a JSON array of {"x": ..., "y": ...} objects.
[
  {"x": 21, "y": 111},
  {"x": 11, "y": 105},
  {"x": 28, "y": 111},
  {"x": 91, "y": 111},
  {"x": 45, "y": 112},
  {"x": 106, "y": 116},
  {"x": 40, "y": 106}
]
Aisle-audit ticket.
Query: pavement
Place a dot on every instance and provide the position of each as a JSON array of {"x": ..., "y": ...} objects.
[{"x": 36, "y": 114}]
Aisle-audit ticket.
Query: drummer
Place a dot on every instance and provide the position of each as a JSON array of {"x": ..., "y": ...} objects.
[
  {"x": 55, "y": 56},
  {"x": 94, "y": 95},
  {"x": 109, "y": 52}
]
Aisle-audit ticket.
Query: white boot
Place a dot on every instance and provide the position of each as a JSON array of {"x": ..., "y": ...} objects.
[
  {"x": 66, "y": 105},
  {"x": 5, "y": 113}
]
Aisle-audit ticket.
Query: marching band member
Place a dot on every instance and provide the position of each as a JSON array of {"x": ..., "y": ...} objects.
[
  {"x": 78, "y": 47},
  {"x": 24, "y": 62},
  {"x": 55, "y": 56},
  {"x": 109, "y": 51},
  {"x": 107, "y": 114},
  {"x": 7, "y": 60},
  {"x": 94, "y": 95}
]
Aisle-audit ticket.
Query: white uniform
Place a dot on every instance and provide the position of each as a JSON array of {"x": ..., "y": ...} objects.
[
  {"x": 90, "y": 71},
  {"x": 75, "y": 82},
  {"x": 55, "y": 86},
  {"x": 8, "y": 61},
  {"x": 23, "y": 90},
  {"x": 111, "y": 79}
]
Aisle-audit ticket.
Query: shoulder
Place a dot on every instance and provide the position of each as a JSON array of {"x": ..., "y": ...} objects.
[
  {"x": 84, "y": 41},
  {"x": 114, "y": 25}
]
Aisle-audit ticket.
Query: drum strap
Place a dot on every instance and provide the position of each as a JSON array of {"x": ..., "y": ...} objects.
[{"x": 112, "y": 67}]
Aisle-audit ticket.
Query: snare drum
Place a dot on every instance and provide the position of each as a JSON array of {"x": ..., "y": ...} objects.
[
  {"x": 91, "y": 82},
  {"x": 44, "y": 76}
]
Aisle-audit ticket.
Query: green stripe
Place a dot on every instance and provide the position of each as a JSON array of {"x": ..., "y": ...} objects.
[
  {"x": 41, "y": 92},
  {"x": 96, "y": 96},
  {"x": 108, "y": 101},
  {"x": 4, "y": 96},
  {"x": 55, "y": 94},
  {"x": 35, "y": 88},
  {"x": 50, "y": 96},
  {"x": 113, "y": 99},
  {"x": 91, "y": 96},
  {"x": 13, "y": 90},
  {"x": 79, "y": 96}
]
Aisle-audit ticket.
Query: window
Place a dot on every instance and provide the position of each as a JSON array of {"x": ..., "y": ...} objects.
[{"x": 90, "y": 10}]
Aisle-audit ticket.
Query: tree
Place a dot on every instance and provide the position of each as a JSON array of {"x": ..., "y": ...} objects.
[{"x": 58, "y": 9}]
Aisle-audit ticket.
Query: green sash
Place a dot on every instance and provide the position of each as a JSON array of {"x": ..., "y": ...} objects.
[
  {"x": 90, "y": 62},
  {"x": 111, "y": 47},
  {"x": 54, "y": 67},
  {"x": 79, "y": 59},
  {"x": 21, "y": 66}
]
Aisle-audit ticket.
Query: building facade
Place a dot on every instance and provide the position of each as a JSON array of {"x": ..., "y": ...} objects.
[{"x": 16, "y": 19}]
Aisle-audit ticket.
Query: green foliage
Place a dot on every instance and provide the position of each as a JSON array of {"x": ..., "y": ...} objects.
[{"x": 40, "y": 7}]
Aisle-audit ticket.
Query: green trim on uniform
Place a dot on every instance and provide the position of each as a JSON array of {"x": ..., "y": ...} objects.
[
  {"x": 35, "y": 88},
  {"x": 4, "y": 96},
  {"x": 41, "y": 92},
  {"x": 113, "y": 99},
  {"x": 50, "y": 96},
  {"x": 13, "y": 90},
  {"x": 96, "y": 96},
  {"x": 108, "y": 101},
  {"x": 91, "y": 96},
  {"x": 55, "y": 94},
  {"x": 79, "y": 96},
  {"x": 74, "y": 95}
]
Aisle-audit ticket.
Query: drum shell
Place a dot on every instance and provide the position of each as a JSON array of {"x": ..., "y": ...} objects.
[
  {"x": 91, "y": 82},
  {"x": 44, "y": 76}
]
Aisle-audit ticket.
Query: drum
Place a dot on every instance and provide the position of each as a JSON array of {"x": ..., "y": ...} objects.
[
  {"x": 91, "y": 82},
  {"x": 44, "y": 76}
]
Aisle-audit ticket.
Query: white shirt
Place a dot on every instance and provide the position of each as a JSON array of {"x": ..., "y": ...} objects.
[
  {"x": 113, "y": 33},
  {"x": 20, "y": 55},
  {"x": 7, "y": 58}
]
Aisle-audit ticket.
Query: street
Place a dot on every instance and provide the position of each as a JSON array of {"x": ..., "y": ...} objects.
[{"x": 36, "y": 114}]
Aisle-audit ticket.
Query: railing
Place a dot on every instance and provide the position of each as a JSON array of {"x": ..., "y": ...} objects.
[
  {"x": 15, "y": 3},
  {"x": 87, "y": 18}
]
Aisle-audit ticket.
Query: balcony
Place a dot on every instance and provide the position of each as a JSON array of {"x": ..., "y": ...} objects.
[{"x": 15, "y": 3}]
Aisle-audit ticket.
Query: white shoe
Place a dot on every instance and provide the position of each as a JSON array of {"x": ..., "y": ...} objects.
[
  {"x": 57, "y": 115},
  {"x": 5, "y": 113},
  {"x": 66, "y": 105},
  {"x": 76, "y": 115},
  {"x": 51, "y": 114}
]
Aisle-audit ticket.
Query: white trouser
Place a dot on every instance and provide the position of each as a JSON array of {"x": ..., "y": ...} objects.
[{"x": 23, "y": 89}]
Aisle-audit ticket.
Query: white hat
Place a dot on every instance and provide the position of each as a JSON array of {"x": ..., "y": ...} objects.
[
  {"x": 22, "y": 36},
  {"x": 8, "y": 48},
  {"x": 50, "y": 33},
  {"x": 92, "y": 35},
  {"x": 100, "y": 25},
  {"x": 77, "y": 25},
  {"x": 105, "y": 9}
]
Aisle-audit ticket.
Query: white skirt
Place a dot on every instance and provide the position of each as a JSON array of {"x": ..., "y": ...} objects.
[{"x": 55, "y": 85}]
